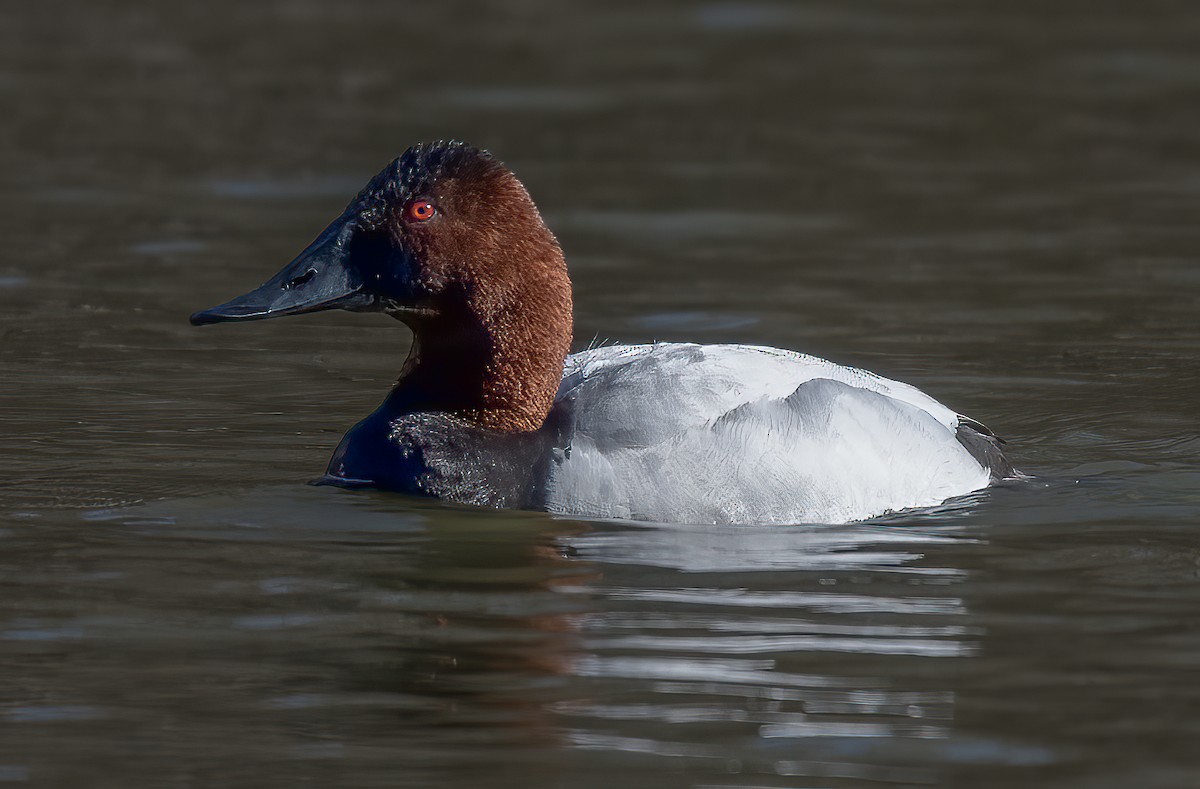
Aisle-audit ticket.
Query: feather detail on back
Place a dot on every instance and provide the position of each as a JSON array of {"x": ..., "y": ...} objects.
[{"x": 744, "y": 434}]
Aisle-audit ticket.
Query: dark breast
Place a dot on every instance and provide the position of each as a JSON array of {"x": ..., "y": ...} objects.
[{"x": 444, "y": 457}]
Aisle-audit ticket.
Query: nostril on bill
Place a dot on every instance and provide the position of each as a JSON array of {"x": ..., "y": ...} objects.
[{"x": 300, "y": 280}]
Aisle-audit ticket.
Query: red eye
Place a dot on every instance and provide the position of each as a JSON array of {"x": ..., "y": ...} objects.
[{"x": 420, "y": 210}]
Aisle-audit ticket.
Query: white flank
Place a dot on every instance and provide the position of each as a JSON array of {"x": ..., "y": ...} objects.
[{"x": 746, "y": 434}]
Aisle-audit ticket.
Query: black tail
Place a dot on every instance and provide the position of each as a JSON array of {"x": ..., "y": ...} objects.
[{"x": 985, "y": 447}]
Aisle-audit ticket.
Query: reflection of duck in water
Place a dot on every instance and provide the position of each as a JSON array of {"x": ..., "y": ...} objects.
[{"x": 486, "y": 412}]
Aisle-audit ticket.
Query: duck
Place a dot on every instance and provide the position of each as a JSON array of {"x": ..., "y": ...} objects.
[{"x": 492, "y": 409}]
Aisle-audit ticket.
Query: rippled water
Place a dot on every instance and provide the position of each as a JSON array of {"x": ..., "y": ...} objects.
[{"x": 996, "y": 202}]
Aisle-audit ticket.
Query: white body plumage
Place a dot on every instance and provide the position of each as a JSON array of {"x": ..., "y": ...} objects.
[{"x": 748, "y": 434}]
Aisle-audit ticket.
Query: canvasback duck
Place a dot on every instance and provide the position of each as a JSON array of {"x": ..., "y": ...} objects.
[{"x": 491, "y": 410}]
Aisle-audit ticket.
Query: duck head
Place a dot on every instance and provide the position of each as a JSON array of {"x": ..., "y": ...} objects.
[{"x": 447, "y": 240}]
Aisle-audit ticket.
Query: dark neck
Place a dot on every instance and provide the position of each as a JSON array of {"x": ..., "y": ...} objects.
[{"x": 498, "y": 369}]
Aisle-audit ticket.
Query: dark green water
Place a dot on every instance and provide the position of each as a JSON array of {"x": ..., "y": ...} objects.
[{"x": 996, "y": 202}]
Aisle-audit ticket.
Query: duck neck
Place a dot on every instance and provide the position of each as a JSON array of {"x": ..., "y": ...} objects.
[{"x": 496, "y": 368}]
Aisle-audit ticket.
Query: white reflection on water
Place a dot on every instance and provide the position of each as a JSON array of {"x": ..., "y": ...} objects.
[
  {"x": 831, "y": 602},
  {"x": 734, "y": 625},
  {"x": 742, "y": 645},
  {"x": 757, "y": 548},
  {"x": 752, "y": 672}
]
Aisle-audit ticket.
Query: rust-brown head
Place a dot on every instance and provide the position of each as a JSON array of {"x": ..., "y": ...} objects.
[{"x": 446, "y": 239}]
